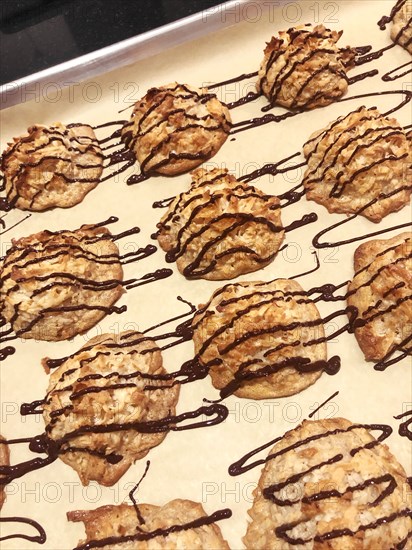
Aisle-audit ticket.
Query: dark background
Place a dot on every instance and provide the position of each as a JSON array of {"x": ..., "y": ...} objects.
[{"x": 37, "y": 34}]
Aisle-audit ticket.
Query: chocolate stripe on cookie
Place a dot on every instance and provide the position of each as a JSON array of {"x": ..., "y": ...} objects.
[
  {"x": 318, "y": 482},
  {"x": 50, "y": 167},
  {"x": 174, "y": 128},
  {"x": 303, "y": 68},
  {"x": 207, "y": 230},
  {"x": 355, "y": 161}
]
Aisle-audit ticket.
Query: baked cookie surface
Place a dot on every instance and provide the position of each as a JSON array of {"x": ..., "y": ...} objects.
[
  {"x": 304, "y": 68},
  {"x": 221, "y": 228},
  {"x": 121, "y": 525},
  {"x": 270, "y": 327},
  {"x": 357, "y": 164},
  {"x": 57, "y": 285},
  {"x": 98, "y": 405},
  {"x": 52, "y": 166},
  {"x": 401, "y": 30},
  {"x": 175, "y": 128},
  {"x": 381, "y": 293},
  {"x": 331, "y": 484},
  {"x": 4, "y": 461}
]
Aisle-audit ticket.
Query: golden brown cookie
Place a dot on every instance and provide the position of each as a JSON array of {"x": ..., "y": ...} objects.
[
  {"x": 381, "y": 293},
  {"x": 57, "y": 285},
  {"x": 329, "y": 484},
  {"x": 358, "y": 160},
  {"x": 260, "y": 340},
  {"x": 175, "y": 128},
  {"x": 4, "y": 461},
  {"x": 52, "y": 166},
  {"x": 179, "y": 524},
  {"x": 99, "y": 404},
  {"x": 221, "y": 228},
  {"x": 401, "y": 30},
  {"x": 304, "y": 68}
]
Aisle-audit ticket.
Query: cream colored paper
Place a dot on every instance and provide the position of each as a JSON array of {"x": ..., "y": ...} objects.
[{"x": 194, "y": 464}]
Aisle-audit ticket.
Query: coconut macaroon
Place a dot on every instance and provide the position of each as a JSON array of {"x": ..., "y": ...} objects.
[
  {"x": 55, "y": 285},
  {"x": 401, "y": 30},
  {"x": 358, "y": 165},
  {"x": 4, "y": 461},
  {"x": 331, "y": 484},
  {"x": 177, "y": 524},
  {"x": 260, "y": 340},
  {"x": 221, "y": 228},
  {"x": 175, "y": 128},
  {"x": 381, "y": 293},
  {"x": 103, "y": 403},
  {"x": 304, "y": 68},
  {"x": 51, "y": 166}
]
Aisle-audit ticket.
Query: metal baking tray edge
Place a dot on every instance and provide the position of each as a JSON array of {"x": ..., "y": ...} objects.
[{"x": 129, "y": 51}]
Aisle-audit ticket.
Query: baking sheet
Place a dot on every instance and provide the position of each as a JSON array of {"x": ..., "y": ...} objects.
[
  {"x": 128, "y": 51},
  {"x": 194, "y": 464}
]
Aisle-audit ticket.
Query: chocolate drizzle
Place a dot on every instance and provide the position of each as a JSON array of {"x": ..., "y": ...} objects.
[
  {"x": 316, "y": 239},
  {"x": 16, "y": 182},
  {"x": 302, "y": 47},
  {"x": 371, "y": 56},
  {"x": 239, "y": 78},
  {"x": 385, "y": 19},
  {"x": 312, "y": 414},
  {"x": 395, "y": 75},
  {"x": 270, "y": 117},
  {"x": 274, "y": 493},
  {"x": 250, "y": 96},
  {"x": 239, "y": 467},
  {"x": 167, "y": 106},
  {"x": 255, "y": 368},
  {"x": 148, "y": 535},
  {"x": 40, "y": 538},
  {"x": 53, "y": 448},
  {"x": 282, "y": 531},
  {"x": 362, "y": 76},
  {"x": 132, "y": 497},
  {"x": 300, "y": 364},
  {"x": 401, "y": 38},
  {"x": 52, "y": 251},
  {"x": 405, "y": 428},
  {"x": 273, "y": 169}
]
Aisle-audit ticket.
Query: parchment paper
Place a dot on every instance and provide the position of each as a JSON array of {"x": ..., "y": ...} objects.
[{"x": 194, "y": 464}]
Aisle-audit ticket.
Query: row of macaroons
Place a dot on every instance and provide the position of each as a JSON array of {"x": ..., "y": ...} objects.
[
  {"x": 173, "y": 128},
  {"x": 330, "y": 467},
  {"x": 55, "y": 285},
  {"x": 176, "y": 119},
  {"x": 355, "y": 165},
  {"x": 255, "y": 339}
]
